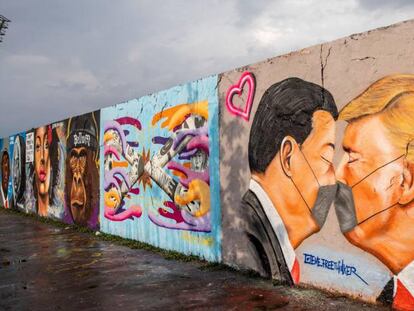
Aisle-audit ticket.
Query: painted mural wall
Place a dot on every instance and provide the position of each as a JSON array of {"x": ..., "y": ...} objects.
[
  {"x": 300, "y": 168},
  {"x": 6, "y": 156},
  {"x": 159, "y": 173},
  {"x": 316, "y": 166},
  {"x": 53, "y": 171}
]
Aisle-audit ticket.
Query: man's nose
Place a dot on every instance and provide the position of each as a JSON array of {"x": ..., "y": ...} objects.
[{"x": 340, "y": 170}]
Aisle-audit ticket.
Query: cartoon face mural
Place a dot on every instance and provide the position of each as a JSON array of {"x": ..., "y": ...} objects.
[
  {"x": 18, "y": 171},
  {"x": 44, "y": 171},
  {"x": 199, "y": 161},
  {"x": 157, "y": 169},
  {"x": 82, "y": 190},
  {"x": 292, "y": 177},
  {"x": 42, "y": 167},
  {"x": 5, "y": 175},
  {"x": 376, "y": 206}
]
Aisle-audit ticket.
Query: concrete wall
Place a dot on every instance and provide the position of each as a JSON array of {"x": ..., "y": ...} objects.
[{"x": 173, "y": 167}]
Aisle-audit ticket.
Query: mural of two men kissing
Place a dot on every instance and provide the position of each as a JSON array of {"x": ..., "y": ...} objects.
[{"x": 293, "y": 182}]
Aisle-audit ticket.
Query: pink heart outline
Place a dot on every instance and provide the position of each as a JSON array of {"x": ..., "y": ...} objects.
[{"x": 238, "y": 89}]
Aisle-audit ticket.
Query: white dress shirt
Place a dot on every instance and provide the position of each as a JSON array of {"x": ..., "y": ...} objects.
[{"x": 276, "y": 222}]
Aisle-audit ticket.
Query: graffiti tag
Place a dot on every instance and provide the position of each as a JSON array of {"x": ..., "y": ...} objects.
[
  {"x": 82, "y": 139},
  {"x": 246, "y": 78},
  {"x": 334, "y": 265}
]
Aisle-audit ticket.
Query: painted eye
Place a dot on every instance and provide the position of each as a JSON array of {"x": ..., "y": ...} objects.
[
  {"x": 352, "y": 158},
  {"x": 326, "y": 160}
]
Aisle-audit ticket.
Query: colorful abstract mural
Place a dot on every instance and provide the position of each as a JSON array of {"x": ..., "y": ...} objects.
[{"x": 160, "y": 159}]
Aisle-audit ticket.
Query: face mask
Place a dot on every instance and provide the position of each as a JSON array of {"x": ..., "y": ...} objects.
[
  {"x": 324, "y": 199},
  {"x": 345, "y": 205}
]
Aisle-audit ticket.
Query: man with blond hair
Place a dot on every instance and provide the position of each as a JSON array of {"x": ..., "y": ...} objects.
[{"x": 375, "y": 199}]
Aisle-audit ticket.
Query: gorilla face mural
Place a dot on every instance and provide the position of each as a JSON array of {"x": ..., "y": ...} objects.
[{"x": 82, "y": 192}]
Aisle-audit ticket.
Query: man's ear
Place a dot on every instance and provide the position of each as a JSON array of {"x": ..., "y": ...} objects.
[
  {"x": 286, "y": 150},
  {"x": 407, "y": 184}
]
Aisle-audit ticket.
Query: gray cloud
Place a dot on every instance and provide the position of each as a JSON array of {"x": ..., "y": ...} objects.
[
  {"x": 61, "y": 58},
  {"x": 381, "y": 4}
]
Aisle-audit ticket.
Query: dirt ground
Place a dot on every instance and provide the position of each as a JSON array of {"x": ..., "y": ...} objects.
[{"x": 45, "y": 267}]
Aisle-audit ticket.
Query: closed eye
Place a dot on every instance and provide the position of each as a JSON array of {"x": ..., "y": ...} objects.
[
  {"x": 326, "y": 160},
  {"x": 352, "y": 159}
]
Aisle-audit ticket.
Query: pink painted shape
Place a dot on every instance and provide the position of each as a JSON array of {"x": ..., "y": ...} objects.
[
  {"x": 175, "y": 214},
  {"x": 248, "y": 78},
  {"x": 130, "y": 213}
]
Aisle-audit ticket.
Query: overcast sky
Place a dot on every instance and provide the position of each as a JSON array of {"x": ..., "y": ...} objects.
[{"x": 62, "y": 58}]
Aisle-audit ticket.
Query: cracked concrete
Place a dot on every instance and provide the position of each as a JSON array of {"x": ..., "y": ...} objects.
[{"x": 324, "y": 63}]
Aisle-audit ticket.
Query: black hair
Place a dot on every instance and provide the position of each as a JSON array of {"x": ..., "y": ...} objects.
[{"x": 286, "y": 108}]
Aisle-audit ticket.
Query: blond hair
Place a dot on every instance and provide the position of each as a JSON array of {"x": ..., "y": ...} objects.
[{"x": 391, "y": 97}]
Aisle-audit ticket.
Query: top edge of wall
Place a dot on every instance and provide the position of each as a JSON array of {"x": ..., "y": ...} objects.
[{"x": 306, "y": 50}]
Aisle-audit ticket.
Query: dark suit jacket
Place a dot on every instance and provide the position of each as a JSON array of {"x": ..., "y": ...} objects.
[
  {"x": 386, "y": 297},
  {"x": 258, "y": 243}
]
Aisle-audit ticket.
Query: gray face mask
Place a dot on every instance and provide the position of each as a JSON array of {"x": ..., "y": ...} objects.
[
  {"x": 345, "y": 205},
  {"x": 325, "y": 198}
]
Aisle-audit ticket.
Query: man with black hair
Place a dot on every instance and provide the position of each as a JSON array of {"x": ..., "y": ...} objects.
[{"x": 292, "y": 184}]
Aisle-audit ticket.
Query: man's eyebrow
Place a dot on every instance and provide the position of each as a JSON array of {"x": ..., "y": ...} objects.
[
  {"x": 332, "y": 145},
  {"x": 329, "y": 145}
]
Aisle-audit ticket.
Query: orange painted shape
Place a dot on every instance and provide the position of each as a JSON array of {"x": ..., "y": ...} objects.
[
  {"x": 176, "y": 115},
  {"x": 178, "y": 174},
  {"x": 120, "y": 164}
]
